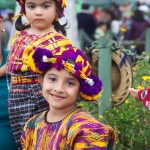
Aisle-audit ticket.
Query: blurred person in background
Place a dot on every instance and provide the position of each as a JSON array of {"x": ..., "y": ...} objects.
[
  {"x": 86, "y": 22},
  {"x": 7, "y": 141},
  {"x": 115, "y": 8},
  {"x": 138, "y": 26},
  {"x": 7, "y": 23},
  {"x": 102, "y": 30},
  {"x": 96, "y": 13}
]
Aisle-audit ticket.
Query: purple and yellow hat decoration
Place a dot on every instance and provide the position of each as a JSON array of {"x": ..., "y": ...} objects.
[
  {"x": 72, "y": 60},
  {"x": 61, "y": 4}
]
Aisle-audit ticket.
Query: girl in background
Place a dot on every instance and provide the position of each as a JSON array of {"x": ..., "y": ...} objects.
[{"x": 45, "y": 31}]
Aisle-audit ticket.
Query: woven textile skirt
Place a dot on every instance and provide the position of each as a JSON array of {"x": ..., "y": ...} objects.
[{"x": 24, "y": 102}]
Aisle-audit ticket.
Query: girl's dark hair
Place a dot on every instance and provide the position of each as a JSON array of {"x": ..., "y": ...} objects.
[
  {"x": 19, "y": 25},
  {"x": 58, "y": 27},
  {"x": 104, "y": 22}
]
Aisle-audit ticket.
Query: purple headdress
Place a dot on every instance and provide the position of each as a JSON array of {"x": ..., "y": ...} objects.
[{"x": 72, "y": 60}]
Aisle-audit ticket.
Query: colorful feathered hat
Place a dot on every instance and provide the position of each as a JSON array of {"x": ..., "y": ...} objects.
[
  {"x": 72, "y": 60},
  {"x": 61, "y": 4}
]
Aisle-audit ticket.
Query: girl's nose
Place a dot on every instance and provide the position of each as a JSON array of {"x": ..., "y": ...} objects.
[
  {"x": 59, "y": 88},
  {"x": 38, "y": 11}
]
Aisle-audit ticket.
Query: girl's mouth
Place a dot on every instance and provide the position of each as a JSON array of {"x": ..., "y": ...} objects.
[{"x": 57, "y": 97}]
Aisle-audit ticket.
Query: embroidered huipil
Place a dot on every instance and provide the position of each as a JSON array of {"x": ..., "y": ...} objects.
[
  {"x": 23, "y": 44},
  {"x": 79, "y": 130}
]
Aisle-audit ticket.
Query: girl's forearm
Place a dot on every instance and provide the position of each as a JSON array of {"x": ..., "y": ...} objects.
[{"x": 3, "y": 71}]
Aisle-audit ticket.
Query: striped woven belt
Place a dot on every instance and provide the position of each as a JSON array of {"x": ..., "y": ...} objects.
[{"x": 23, "y": 80}]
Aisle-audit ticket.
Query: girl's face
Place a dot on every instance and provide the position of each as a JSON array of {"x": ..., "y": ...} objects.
[
  {"x": 40, "y": 13},
  {"x": 60, "y": 89}
]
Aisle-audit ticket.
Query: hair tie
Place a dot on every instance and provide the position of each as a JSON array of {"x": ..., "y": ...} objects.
[{"x": 20, "y": 14}]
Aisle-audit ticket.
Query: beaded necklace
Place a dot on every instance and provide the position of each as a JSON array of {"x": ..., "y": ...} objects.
[{"x": 7, "y": 79}]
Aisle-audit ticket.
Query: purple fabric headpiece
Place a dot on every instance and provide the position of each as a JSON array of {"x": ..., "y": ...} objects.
[{"x": 72, "y": 60}]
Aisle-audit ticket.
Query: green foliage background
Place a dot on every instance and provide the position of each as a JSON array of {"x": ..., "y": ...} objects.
[{"x": 130, "y": 120}]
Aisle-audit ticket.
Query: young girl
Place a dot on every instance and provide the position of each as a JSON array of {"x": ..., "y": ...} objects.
[
  {"x": 141, "y": 95},
  {"x": 65, "y": 126},
  {"x": 43, "y": 30}
]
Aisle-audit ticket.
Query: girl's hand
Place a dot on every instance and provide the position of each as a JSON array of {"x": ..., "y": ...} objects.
[
  {"x": 134, "y": 93},
  {"x": 3, "y": 71}
]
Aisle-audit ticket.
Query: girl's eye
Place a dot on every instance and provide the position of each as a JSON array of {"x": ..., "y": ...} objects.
[
  {"x": 31, "y": 6},
  {"x": 52, "y": 79},
  {"x": 46, "y": 6},
  {"x": 70, "y": 83}
]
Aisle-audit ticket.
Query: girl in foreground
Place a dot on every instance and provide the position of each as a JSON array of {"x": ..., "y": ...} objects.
[{"x": 66, "y": 77}]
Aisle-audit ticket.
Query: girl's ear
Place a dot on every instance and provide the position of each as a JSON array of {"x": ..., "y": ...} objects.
[
  {"x": 40, "y": 79},
  {"x": 56, "y": 17}
]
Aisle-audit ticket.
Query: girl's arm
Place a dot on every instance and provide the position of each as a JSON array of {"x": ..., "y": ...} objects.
[
  {"x": 134, "y": 93},
  {"x": 3, "y": 71},
  {"x": 88, "y": 133},
  {"x": 95, "y": 137},
  {"x": 143, "y": 95}
]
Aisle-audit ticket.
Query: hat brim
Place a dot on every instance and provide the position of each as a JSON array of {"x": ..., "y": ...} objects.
[
  {"x": 120, "y": 90},
  {"x": 121, "y": 76}
]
